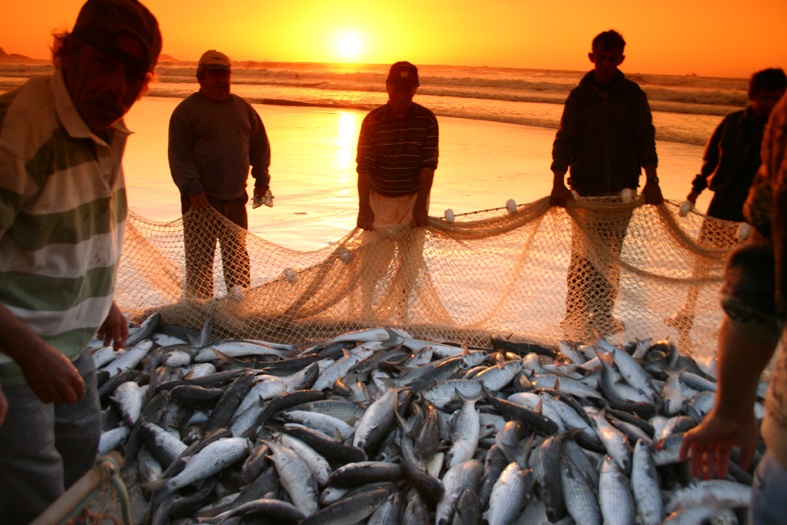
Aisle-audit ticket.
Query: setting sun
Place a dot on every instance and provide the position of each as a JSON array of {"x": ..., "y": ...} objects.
[{"x": 348, "y": 46}]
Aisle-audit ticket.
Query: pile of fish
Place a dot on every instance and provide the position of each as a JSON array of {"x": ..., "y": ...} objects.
[{"x": 376, "y": 426}]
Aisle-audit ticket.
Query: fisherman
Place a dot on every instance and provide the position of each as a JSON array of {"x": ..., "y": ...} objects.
[
  {"x": 606, "y": 137},
  {"x": 62, "y": 215},
  {"x": 732, "y": 155},
  {"x": 214, "y": 136},
  {"x": 754, "y": 299},
  {"x": 730, "y": 162},
  {"x": 397, "y": 158}
]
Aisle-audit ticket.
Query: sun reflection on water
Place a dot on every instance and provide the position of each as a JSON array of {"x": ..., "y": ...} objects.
[{"x": 346, "y": 142}]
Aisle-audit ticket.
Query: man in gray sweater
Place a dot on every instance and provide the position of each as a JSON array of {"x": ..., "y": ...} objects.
[{"x": 214, "y": 136}]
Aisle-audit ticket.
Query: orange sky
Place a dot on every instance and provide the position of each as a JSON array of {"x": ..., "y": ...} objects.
[{"x": 730, "y": 38}]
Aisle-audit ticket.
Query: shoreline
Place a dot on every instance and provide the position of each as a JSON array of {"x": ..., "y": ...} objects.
[{"x": 482, "y": 165}]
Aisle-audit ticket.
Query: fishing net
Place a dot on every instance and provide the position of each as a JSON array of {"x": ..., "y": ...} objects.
[{"x": 532, "y": 272}]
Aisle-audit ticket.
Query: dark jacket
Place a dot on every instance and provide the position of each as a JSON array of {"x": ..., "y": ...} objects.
[
  {"x": 606, "y": 136},
  {"x": 730, "y": 161}
]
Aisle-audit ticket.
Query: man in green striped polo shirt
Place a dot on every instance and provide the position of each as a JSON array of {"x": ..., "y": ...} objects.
[{"x": 62, "y": 215}]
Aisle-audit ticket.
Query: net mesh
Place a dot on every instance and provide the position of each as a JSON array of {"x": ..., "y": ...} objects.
[{"x": 535, "y": 273}]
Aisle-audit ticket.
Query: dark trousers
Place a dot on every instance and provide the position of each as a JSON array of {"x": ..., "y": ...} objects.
[
  {"x": 594, "y": 272},
  {"x": 727, "y": 207},
  {"x": 201, "y": 230},
  {"x": 45, "y": 448}
]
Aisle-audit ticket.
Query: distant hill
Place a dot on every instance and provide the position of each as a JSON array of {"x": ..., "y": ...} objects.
[{"x": 15, "y": 57}]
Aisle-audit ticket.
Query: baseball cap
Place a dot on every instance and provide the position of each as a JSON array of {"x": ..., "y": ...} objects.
[
  {"x": 403, "y": 74},
  {"x": 213, "y": 59},
  {"x": 100, "y": 22}
]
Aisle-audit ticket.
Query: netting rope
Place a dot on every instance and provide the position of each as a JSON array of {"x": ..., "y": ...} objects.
[{"x": 625, "y": 271}]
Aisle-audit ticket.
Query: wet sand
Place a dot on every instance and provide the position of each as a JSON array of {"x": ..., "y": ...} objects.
[{"x": 482, "y": 165}]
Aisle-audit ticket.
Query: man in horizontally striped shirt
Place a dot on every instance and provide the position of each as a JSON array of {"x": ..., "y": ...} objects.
[
  {"x": 62, "y": 216},
  {"x": 397, "y": 156}
]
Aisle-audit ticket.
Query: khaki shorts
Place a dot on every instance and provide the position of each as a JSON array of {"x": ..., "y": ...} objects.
[{"x": 392, "y": 210}]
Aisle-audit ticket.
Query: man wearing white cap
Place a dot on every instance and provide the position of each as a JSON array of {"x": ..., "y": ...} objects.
[{"x": 214, "y": 136}]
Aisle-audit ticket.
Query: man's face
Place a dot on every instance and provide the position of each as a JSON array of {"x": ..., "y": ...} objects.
[
  {"x": 400, "y": 97},
  {"x": 215, "y": 84},
  {"x": 605, "y": 63},
  {"x": 103, "y": 87},
  {"x": 764, "y": 101}
]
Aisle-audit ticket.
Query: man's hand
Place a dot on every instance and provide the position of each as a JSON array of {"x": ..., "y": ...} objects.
[
  {"x": 560, "y": 195},
  {"x": 51, "y": 375},
  {"x": 652, "y": 193},
  {"x": 709, "y": 444},
  {"x": 114, "y": 329},
  {"x": 420, "y": 217},
  {"x": 199, "y": 200},
  {"x": 692, "y": 197},
  {"x": 365, "y": 218}
]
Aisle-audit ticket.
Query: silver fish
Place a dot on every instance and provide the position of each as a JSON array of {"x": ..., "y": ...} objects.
[
  {"x": 207, "y": 462},
  {"x": 130, "y": 358},
  {"x": 463, "y": 476},
  {"x": 238, "y": 349},
  {"x": 376, "y": 422},
  {"x": 615, "y": 499},
  {"x": 614, "y": 441},
  {"x": 645, "y": 486},
  {"x": 144, "y": 331},
  {"x": 112, "y": 439},
  {"x": 318, "y": 464},
  {"x": 128, "y": 398},
  {"x": 510, "y": 495},
  {"x": 725, "y": 493},
  {"x": 296, "y": 477},
  {"x": 581, "y": 502},
  {"x": 464, "y": 435}
]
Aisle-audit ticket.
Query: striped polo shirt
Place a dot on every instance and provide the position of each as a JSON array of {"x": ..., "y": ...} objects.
[
  {"x": 393, "y": 151},
  {"x": 62, "y": 216}
]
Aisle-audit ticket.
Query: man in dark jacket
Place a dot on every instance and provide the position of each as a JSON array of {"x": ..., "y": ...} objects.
[
  {"x": 729, "y": 164},
  {"x": 606, "y": 138},
  {"x": 732, "y": 155}
]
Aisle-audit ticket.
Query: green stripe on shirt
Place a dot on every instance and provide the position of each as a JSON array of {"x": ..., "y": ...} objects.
[
  {"x": 71, "y": 226},
  {"x": 61, "y": 152},
  {"x": 39, "y": 292}
]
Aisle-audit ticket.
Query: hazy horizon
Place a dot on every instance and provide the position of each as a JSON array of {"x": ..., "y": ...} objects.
[
  {"x": 239, "y": 62},
  {"x": 725, "y": 40}
]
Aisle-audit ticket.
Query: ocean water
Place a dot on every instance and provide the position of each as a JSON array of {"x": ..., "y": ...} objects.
[
  {"x": 685, "y": 108},
  {"x": 496, "y": 132}
]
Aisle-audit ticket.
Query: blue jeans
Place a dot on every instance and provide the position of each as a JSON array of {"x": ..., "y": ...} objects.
[
  {"x": 46, "y": 448},
  {"x": 769, "y": 493}
]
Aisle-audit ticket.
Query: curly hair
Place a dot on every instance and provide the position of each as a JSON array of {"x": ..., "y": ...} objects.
[
  {"x": 770, "y": 79},
  {"x": 65, "y": 44},
  {"x": 608, "y": 40}
]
